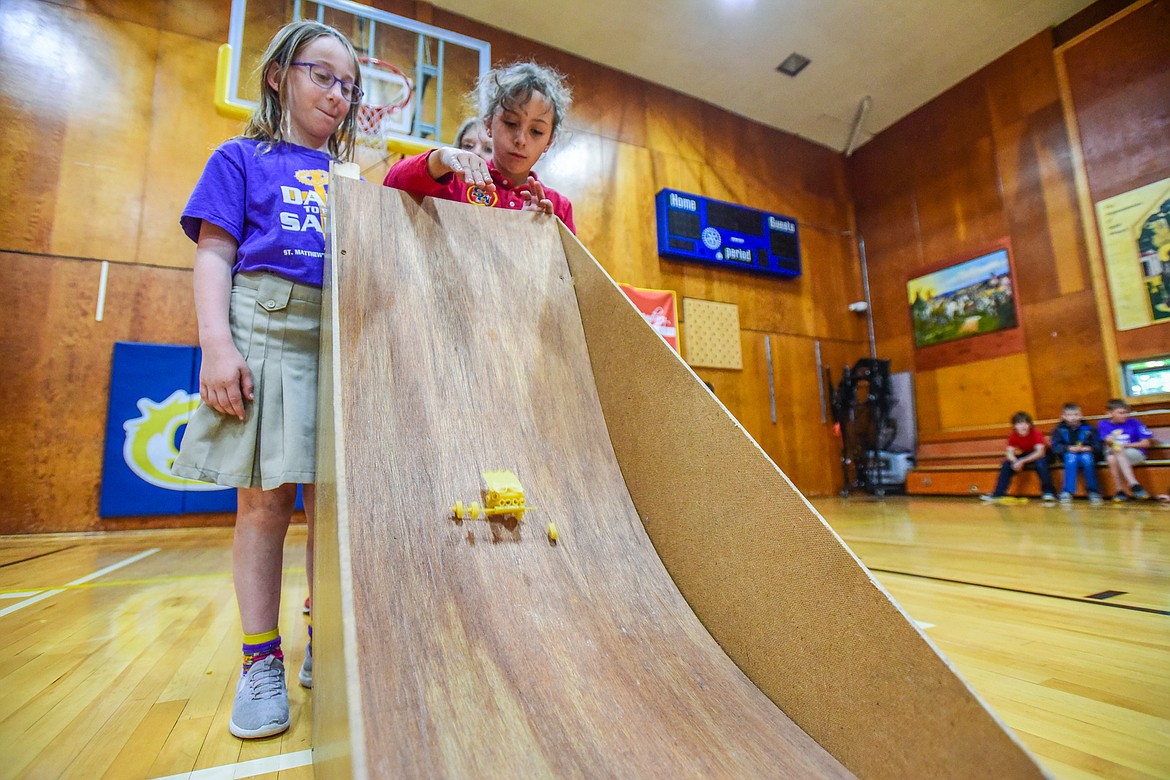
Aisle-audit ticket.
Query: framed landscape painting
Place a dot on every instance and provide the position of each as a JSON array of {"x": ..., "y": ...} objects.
[{"x": 964, "y": 299}]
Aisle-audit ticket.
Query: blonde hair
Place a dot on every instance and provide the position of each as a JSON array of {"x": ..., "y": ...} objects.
[
  {"x": 465, "y": 128},
  {"x": 509, "y": 87},
  {"x": 268, "y": 122}
]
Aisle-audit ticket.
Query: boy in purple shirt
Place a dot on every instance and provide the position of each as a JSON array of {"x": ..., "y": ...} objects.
[{"x": 1126, "y": 442}]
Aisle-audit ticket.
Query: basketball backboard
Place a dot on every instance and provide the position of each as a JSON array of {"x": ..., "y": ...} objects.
[{"x": 426, "y": 68}]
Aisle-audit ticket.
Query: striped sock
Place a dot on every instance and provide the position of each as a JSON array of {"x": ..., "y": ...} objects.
[{"x": 258, "y": 646}]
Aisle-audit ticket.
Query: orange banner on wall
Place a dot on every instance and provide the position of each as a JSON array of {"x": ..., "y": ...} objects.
[{"x": 659, "y": 308}]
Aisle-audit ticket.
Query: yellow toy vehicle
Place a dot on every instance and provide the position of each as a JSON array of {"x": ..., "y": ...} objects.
[{"x": 502, "y": 495}]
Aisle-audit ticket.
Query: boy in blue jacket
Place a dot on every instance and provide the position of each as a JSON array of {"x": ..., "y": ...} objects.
[{"x": 1075, "y": 443}]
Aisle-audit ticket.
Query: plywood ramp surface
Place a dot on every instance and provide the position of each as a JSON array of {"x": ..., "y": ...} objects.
[{"x": 481, "y": 649}]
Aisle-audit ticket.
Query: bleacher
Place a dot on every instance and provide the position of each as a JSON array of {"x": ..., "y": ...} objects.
[{"x": 962, "y": 463}]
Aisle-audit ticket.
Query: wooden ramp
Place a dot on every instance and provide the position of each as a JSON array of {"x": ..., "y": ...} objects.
[{"x": 696, "y": 617}]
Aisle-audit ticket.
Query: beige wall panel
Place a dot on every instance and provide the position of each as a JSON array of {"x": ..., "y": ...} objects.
[
  {"x": 713, "y": 334},
  {"x": 103, "y": 158},
  {"x": 185, "y": 131},
  {"x": 985, "y": 392}
]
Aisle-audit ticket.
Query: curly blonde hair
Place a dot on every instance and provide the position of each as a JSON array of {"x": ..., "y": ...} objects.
[{"x": 509, "y": 87}]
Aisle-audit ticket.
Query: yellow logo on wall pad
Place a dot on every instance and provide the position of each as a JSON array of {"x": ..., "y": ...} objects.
[{"x": 150, "y": 448}]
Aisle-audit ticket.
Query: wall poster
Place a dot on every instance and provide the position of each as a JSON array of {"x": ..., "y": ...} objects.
[{"x": 1135, "y": 240}]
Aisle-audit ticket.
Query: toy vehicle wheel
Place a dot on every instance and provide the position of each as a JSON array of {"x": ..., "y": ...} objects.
[
  {"x": 458, "y": 509},
  {"x": 473, "y": 510}
]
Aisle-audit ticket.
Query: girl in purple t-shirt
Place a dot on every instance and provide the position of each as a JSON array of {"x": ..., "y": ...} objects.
[{"x": 256, "y": 217}]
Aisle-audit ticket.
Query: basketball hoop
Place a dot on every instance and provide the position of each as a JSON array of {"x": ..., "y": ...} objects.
[{"x": 389, "y": 92}]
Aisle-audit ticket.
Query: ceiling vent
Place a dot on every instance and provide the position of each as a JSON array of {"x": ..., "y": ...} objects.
[{"x": 794, "y": 63}]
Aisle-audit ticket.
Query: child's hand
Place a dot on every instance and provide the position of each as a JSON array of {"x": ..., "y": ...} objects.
[
  {"x": 467, "y": 165},
  {"x": 225, "y": 381},
  {"x": 535, "y": 198}
]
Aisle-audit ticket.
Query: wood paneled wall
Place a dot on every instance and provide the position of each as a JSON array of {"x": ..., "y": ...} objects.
[
  {"x": 1118, "y": 91},
  {"x": 109, "y": 120},
  {"x": 992, "y": 158}
]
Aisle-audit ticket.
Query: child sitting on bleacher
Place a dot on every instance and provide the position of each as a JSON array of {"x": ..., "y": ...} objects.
[
  {"x": 1025, "y": 446},
  {"x": 1126, "y": 443},
  {"x": 1076, "y": 446}
]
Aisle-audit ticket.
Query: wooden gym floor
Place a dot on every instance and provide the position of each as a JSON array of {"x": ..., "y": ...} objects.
[{"x": 118, "y": 651}]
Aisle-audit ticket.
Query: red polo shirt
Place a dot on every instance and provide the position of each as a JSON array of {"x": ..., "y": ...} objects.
[
  {"x": 411, "y": 174},
  {"x": 1023, "y": 445}
]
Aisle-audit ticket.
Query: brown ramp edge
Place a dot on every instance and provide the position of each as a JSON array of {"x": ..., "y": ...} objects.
[{"x": 459, "y": 339}]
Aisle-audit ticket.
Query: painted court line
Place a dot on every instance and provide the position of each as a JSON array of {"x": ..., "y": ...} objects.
[
  {"x": 1089, "y": 600},
  {"x": 46, "y": 594},
  {"x": 223, "y": 575},
  {"x": 257, "y": 766},
  {"x": 19, "y": 594}
]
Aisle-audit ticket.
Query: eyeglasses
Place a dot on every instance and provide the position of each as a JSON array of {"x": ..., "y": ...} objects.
[{"x": 325, "y": 79}]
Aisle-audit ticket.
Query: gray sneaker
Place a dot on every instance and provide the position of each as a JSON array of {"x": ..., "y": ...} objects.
[
  {"x": 1065, "y": 497},
  {"x": 1048, "y": 498},
  {"x": 306, "y": 675},
  {"x": 1095, "y": 498},
  {"x": 261, "y": 705}
]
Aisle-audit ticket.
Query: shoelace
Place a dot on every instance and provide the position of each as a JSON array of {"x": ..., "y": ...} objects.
[{"x": 266, "y": 682}]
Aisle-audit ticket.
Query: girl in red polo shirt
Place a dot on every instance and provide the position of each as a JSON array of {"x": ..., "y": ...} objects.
[
  {"x": 1026, "y": 446},
  {"x": 523, "y": 106}
]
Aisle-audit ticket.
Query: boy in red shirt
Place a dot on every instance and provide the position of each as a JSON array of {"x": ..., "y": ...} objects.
[{"x": 1025, "y": 446}]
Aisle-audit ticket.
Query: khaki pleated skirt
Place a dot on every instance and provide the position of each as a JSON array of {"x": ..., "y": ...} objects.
[{"x": 276, "y": 325}]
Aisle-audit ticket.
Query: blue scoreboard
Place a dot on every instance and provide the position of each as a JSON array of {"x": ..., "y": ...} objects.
[{"x": 691, "y": 227}]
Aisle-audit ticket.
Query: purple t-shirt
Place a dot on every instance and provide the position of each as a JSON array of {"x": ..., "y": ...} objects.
[
  {"x": 272, "y": 203},
  {"x": 1131, "y": 430}
]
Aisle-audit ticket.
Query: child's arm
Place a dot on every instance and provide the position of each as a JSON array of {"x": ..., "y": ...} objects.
[
  {"x": 1059, "y": 445},
  {"x": 1093, "y": 442},
  {"x": 1036, "y": 454},
  {"x": 1146, "y": 439},
  {"x": 225, "y": 381},
  {"x": 431, "y": 174},
  {"x": 469, "y": 166}
]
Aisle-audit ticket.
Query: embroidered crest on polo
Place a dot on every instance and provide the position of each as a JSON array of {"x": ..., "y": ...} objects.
[{"x": 480, "y": 196}]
